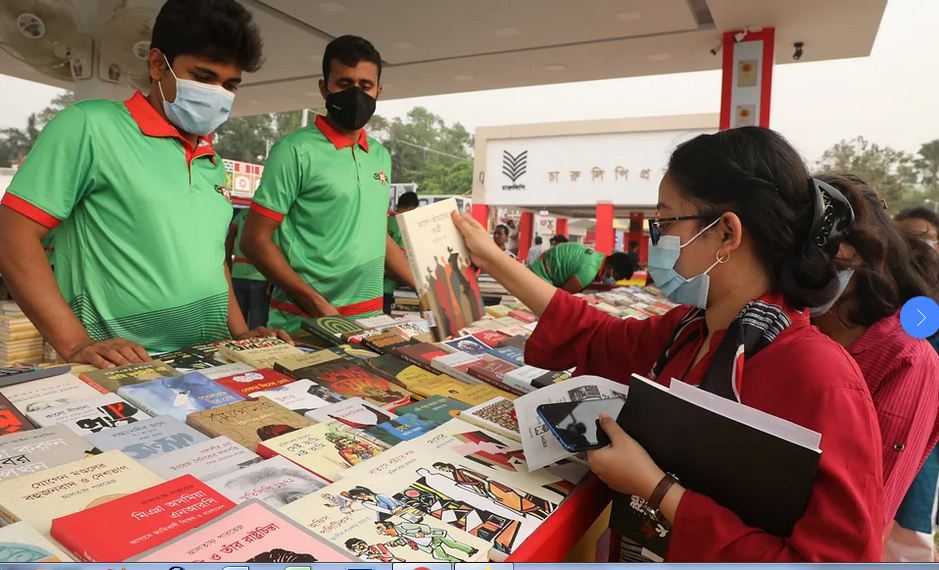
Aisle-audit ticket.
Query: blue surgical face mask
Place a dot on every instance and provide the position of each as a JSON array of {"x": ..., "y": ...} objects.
[
  {"x": 844, "y": 277},
  {"x": 199, "y": 108},
  {"x": 679, "y": 289}
]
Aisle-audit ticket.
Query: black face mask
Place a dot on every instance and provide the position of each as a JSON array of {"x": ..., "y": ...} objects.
[{"x": 351, "y": 108}]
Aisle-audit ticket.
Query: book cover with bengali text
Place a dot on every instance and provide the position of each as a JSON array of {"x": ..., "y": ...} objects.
[
  {"x": 148, "y": 438},
  {"x": 180, "y": 396}
]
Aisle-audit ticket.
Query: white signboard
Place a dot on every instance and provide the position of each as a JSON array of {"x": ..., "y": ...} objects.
[{"x": 622, "y": 168}]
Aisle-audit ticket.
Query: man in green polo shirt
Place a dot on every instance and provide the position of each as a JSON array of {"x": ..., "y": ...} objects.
[
  {"x": 250, "y": 285},
  {"x": 572, "y": 266},
  {"x": 406, "y": 202},
  {"x": 317, "y": 227},
  {"x": 136, "y": 195}
]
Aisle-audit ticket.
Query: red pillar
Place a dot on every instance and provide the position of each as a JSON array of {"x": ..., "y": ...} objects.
[
  {"x": 635, "y": 232},
  {"x": 747, "y": 79},
  {"x": 605, "y": 236},
  {"x": 525, "y": 227},
  {"x": 562, "y": 227},
  {"x": 481, "y": 213}
]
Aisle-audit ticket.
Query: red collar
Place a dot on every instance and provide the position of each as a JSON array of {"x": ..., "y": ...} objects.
[
  {"x": 340, "y": 140},
  {"x": 152, "y": 124}
]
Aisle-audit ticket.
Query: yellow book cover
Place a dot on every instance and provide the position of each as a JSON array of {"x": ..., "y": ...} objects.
[{"x": 248, "y": 422}]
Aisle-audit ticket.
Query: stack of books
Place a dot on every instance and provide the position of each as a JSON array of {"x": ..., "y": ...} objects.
[{"x": 20, "y": 340}]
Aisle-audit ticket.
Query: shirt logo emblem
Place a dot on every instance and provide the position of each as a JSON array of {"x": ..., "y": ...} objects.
[
  {"x": 224, "y": 191},
  {"x": 381, "y": 177}
]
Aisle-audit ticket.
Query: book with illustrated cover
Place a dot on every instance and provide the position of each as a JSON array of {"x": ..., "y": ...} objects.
[
  {"x": 37, "y": 395},
  {"x": 301, "y": 396},
  {"x": 85, "y": 417},
  {"x": 148, "y": 438},
  {"x": 276, "y": 481},
  {"x": 248, "y": 422},
  {"x": 376, "y": 322},
  {"x": 493, "y": 371},
  {"x": 470, "y": 345},
  {"x": 491, "y": 338},
  {"x": 435, "y": 409},
  {"x": 251, "y": 532},
  {"x": 139, "y": 521},
  {"x": 205, "y": 459},
  {"x": 385, "y": 342},
  {"x": 426, "y": 384},
  {"x": 326, "y": 450},
  {"x": 445, "y": 278},
  {"x": 35, "y": 450},
  {"x": 179, "y": 396},
  {"x": 378, "y": 534},
  {"x": 354, "y": 351},
  {"x": 497, "y": 416},
  {"x": 19, "y": 542},
  {"x": 294, "y": 365},
  {"x": 113, "y": 378},
  {"x": 351, "y": 379},
  {"x": 413, "y": 329},
  {"x": 257, "y": 352},
  {"x": 11, "y": 420},
  {"x": 332, "y": 328},
  {"x": 375, "y": 421},
  {"x": 457, "y": 364},
  {"x": 187, "y": 361},
  {"x": 422, "y": 354},
  {"x": 38, "y": 498},
  {"x": 247, "y": 383}
]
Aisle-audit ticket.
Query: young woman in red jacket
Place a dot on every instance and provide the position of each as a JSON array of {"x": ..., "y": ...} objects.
[
  {"x": 879, "y": 270},
  {"x": 744, "y": 239}
]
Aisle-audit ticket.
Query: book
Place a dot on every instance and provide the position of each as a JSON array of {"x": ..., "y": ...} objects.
[
  {"x": 325, "y": 449},
  {"x": 534, "y": 377},
  {"x": 247, "y": 383},
  {"x": 276, "y": 481},
  {"x": 377, "y": 322},
  {"x": 217, "y": 372},
  {"x": 730, "y": 452},
  {"x": 412, "y": 329},
  {"x": 296, "y": 365},
  {"x": 11, "y": 420},
  {"x": 435, "y": 409},
  {"x": 497, "y": 311},
  {"x": 179, "y": 396},
  {"x": 457, "y": 365},
  {"x": 251, "y": 532},
  {"x": 494, "y": 371},
  {"x": 111, "y": 379},
  {"x": 38, "y": 498},
  {"x": 47, "y": 392},
  {"x": 148, "y": 438},
  {"x": 422, "y": 354},
  {"x": 257, "y": 352},
  {"x": 374, "y": 421},
  {"x": 85, "y": 417},
  {"x": 36, "y": 450},
  {"x": 20, "y": 543},
  {"x": 197, "y": 357},
  {"x": 443, "y": 272},
  {"x": 524, "y": 316},
  {"x": 385, "y": 342},
  {"x": 351, "y": 379},
  {"x": 426, "y": 384},
  {"x": 139, "y": 521},
  {"x": 332, "y": 328},
  {"x": 301, "y": 396},
  {"x": 19, "y": 373},
  {"x": 353, "y": 351},
  {"x": 248, "y": 422},
  {"x": 470, "y": 345},
  {"x": 491, "y": 338},
  {"x": 205, "y": 459},
  {"x": 541, "y": 447},
  {"x": 496, "y": 416},
  {"x": 378, "y": 529}
]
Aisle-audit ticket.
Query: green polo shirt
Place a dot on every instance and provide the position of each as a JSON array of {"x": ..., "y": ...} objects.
[
  {"x": 567, "y": 260},
  {"x": 241, "y": 267},
  {"x": 330, "y": 196},
  {"x": 394, "y": 232},
  {"x": 140, "y": 222}
]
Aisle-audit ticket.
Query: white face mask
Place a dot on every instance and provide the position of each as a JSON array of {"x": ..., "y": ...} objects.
[
  {"x": 198, "y": 109},
  {"x": 844, "y": 277}
]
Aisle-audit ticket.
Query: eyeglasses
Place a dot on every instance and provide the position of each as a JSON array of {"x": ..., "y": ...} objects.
[{"x": 655, "y": 225}]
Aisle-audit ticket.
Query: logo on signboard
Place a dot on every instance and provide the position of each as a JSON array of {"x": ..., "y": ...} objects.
[{"x": 514, "y": 167}]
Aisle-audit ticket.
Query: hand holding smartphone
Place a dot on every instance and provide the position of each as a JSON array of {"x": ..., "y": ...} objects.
[{"x": 575, "y": 424}]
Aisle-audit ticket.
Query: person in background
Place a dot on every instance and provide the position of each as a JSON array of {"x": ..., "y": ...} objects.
[
  {"x": 136, "y": 195},
  {"x": 251, "y": 287},
  {"x": 536, "y": 250},
  {"x": 573, "y": 266},
  {"x": 878, "y": 271},
  {"x": 318, "y": 224},
  {"x": 558, "y": 239},
  {"x": 501, "y": 238},
  {"x": 406, "y": 202},
  {"x": 921, "y": 223},
  {"x": 512, "y": 244},
  {"x": 634, "y": 253},
  {"x": 740, "y": 243}
]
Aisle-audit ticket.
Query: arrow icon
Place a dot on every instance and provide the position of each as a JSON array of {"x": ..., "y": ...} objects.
[
  {"x": 922, "y": 320},
  {"x": 919, "y": 317}
]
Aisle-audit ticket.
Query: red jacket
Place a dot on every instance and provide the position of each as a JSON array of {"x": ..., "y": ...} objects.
[
  {"x": 902, "y": 374},
  {"x": 803, "y": 376}
]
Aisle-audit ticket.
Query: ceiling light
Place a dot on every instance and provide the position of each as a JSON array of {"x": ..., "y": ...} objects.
[
  {"x": 507, "y": 32},
  {"x": 555, "y": 67},
  {"x": 332, "y": 7},
  {"x": 660, "y": 57},
  {"x": 628, "y": 16}
]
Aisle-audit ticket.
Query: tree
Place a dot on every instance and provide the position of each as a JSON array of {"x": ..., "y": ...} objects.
[
  {"x": 928, "y": 164},
  {"x": 893, "y": 173},
  {"x": 16, "y": 143},
  {"x": 245, "y": 138}
]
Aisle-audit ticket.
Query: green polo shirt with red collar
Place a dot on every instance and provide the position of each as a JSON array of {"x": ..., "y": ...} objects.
[
  {"x": 140, "y": 219},
  {"x": 330, "y": 196}
]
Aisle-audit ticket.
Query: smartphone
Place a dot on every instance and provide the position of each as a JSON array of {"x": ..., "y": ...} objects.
[{"x": 575, "y": 424}]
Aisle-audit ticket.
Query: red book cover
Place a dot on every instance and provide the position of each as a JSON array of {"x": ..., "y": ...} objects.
[
  {"x": 492, "y": 339},
  {"x": 11, "y": 420},
  {"x": 492, "y": 371},
  {"x": 120, "y": 529},
  {"x": 246, "y": 383},
  {"x": 421, "y": 354},
  {"x": 523, "y": 316}
]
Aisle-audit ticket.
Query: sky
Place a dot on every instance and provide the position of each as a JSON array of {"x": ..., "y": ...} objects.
[{"x": 891, "y": 97}]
